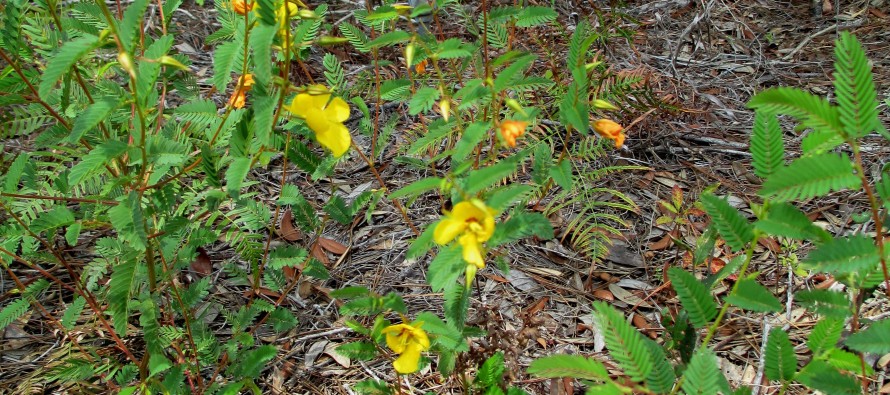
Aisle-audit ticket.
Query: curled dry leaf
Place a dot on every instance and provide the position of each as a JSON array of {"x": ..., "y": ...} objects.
[
  {"x": 318, "y": 253},
  {"x": 202, "y": 266},
  {"x": 286, "y": 227}
]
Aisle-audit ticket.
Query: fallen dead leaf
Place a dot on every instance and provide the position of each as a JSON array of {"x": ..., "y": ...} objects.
[
  {"x": 332, "y": 245},
  {"x": 663, "y": 243},
  {"x": 314, "y": 351},
  {"x": 643, "y": 324},
  {"x": 286, "y": 227},
  {"x": 202, "y": 266},
  {"x": 538, "y": 306},
  {"x": 331, "y": 350},
  {"x": 604, "y": 294},
  {"x": 628, "y": 297},
  {"x": 318, "y": 253}
]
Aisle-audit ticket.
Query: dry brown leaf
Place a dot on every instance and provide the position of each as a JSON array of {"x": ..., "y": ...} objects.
[
  {"x": 603, "y": 294},
  {"x": 383, "y": 245},
  {"x": 663, "y": 243},
  {"x": 628, "y": 297},
  {"x": 286, "y": 227},
  {"x": 643, "y": 324},
  {"x": 497, "y": 278},
  {"x": 538, "y": 306},
  {"x": 202, "y": 266},
  {"x": 716, "y": 264},
  {"x": 770, "y": 243},
  {"x": 318, "y": 253},
  {"x": 332, "y": 245}
]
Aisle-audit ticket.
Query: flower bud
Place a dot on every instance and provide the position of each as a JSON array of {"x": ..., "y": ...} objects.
[
  {"x": 307, "y": 14},
  {"x": 172, "y": 62},
  {"x": 329, "y": 40},
  {"x": 515, "y": 106},
  {"x": 445, "y": 108},
  {"x": 592, "y": 65},
  {"x": 409, "y": 55},
  {"x": 126, "y": 63},
  {"x": 603, "y": 105}
]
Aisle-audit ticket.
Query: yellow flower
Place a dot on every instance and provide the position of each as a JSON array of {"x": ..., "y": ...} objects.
[
  {"x": 245, "y": 82},
  {"x": 242, "y": 7},
  {"x": 284, "y": 14},
  {"x": 408, "y": 341},
  {"x": 325, "y": 116},
  {"x": 473, "y": 221},
  {"x": 510, "y": 130},
  {"x": 611, "y": 130}
]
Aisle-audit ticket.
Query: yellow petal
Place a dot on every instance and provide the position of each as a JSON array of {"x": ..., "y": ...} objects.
[
  {"x": 467, "y": 210},
  {"x": 335, "y": 138},
  {"x": 397, "y": 337},
  {"x": 447, "y": 230},
  {"x": 472, "y": 250},
  {"x": 301, "y": 104},
  {"x": 420, "y": 337},
  {"x": 337, "y": 110},
  {"x": 408, "y": 361},
  {"x": 316, "y": 121},
  {"x": 619, "y": 140}
]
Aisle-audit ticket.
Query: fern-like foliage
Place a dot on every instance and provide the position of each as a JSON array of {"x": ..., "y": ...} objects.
[
  {"x": 810, "y": 176},
  {"x": 780, "y": 362},
  {"x": 767, "y": 148},
  {"x": 812, "y": 111},
  {"x": 855, "y": 88},
  {"x": 13, "y": 311},
  {"x": 733, "y": 227},
  {"x": 695, "y": 297},
  {"x": 626, "y": 345},
  {"x": 845, "y": 255},
  {"x": 702, "y": 375}
]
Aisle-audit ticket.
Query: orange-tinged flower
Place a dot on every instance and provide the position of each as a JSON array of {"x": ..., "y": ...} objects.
[
  {"x": 611, "y": 130},
  {"x": 472, "y": 222},
  {"x": 325, "y": 116},
  {"x": 407, "y": 340},
  {"x": 239, "y": 97},
  {"x": 242, "y": 7},
  {"x": 510, "y": 130}
]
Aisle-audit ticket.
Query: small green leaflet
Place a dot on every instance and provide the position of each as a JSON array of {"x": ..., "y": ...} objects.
[
  {"x": 750, "y": 295},
  {"x": 874, "y": 339},
  {"x": 851, "y": 254},
  {"x": 781, "y": 363},
  {"x": 694, "y": 297}
]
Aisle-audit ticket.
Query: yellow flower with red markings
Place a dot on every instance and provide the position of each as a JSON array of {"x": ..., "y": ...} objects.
[
  {"x": 325, "y": 116},
  {"x": 611, "y": 130},
  {"x": 407, "y": 340},
  {"x": 472, "y": 223},
  {"x": 239, "y": 97},
  {"x": 510, "y": 130}
]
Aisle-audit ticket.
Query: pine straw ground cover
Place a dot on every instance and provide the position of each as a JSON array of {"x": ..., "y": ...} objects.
[{"x": 703, "y": 60}]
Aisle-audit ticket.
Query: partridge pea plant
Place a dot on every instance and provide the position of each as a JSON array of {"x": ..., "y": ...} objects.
[{"x": 136, "y": 169}]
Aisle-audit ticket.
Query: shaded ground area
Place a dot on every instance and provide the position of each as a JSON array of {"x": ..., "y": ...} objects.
[{"x": 706, "y": 58}]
